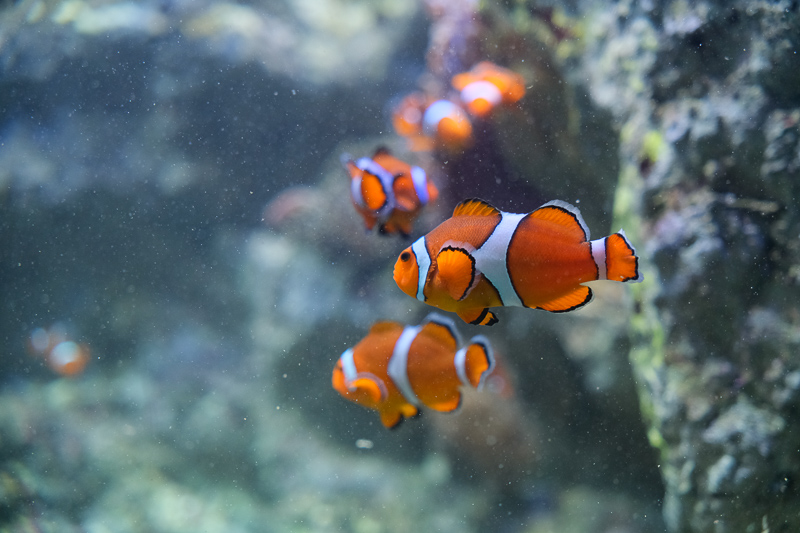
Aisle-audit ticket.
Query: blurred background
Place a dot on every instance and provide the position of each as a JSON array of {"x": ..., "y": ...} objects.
[{"x": 172, "y": 205}]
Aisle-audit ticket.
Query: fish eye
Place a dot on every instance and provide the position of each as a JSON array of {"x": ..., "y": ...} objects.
[{"x": 405, "y": 256}]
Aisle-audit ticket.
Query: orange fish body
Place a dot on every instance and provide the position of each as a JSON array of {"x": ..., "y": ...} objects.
[
  {"x": 429, "y": 123},
  {"x": 483, "y": 257},
  {"x": 487, "y": 86},
  {"x": 448, "y": 124},
  {"x": 62, "y": 355},
  {"x": 397, "y": 369},
  {"x": 407, "y": 116},
  {"x": 387, "y": 192}
]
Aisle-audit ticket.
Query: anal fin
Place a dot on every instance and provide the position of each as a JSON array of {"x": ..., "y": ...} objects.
[
  {"x": 570, "y": 301},
  {"x": 448, "y": 406},
  {"x": 478, "y": 317}
]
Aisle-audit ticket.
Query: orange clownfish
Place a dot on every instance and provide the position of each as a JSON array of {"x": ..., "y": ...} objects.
[
  {"x": 483, "y": 257},
  {"x": 448, "y": 124},
  {"x": 62, "y": 355},
  {"x": 388, "y": 192},
  {"x": 487, "y": 86},
  {"x": 397, "y": 369},
  {"x": 407, "y": 115},
  {"x": 429, "y": 124}
]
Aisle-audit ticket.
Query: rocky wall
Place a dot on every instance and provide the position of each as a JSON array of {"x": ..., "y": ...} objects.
[{"x": 705, "y": 98}]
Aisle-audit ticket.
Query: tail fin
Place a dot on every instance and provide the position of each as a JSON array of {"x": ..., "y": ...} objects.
[
  {"x": 475, "y": 361},
  {"x": 621, "y": 261}
]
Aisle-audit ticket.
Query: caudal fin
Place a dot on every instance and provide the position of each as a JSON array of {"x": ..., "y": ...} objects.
[
  {"x": 475, "y": 361},
  {"x": 621, "y": 262}
]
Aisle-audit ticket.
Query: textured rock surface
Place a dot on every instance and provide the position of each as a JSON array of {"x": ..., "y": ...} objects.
[{"x": 705, "y": 98}]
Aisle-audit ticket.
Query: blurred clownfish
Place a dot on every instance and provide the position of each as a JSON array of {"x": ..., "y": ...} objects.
[
  {"x": 407, "y": 116},
  {"x": 449, "y": 124},
  {"x": 487, "y": 86},
  {"x": 483, "y": 257},
  {"x": 388, "y": 192},
  {"x": 62, "y": 355},
  {"x": 397, "y": 369},
  {"x": 428, "y": 124}
]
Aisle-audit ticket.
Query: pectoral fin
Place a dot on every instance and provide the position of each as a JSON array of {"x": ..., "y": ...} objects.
[
  {"x": 456, "y": 271},
  {"x": 368, "y": 387}
]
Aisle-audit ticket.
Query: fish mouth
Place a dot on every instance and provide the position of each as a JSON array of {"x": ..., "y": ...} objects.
[{"x": 403, "y": 279}]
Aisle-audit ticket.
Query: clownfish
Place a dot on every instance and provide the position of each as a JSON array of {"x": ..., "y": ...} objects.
[
  {"x": 407, "y": 115},
  {"x": 428, "y": 124},
  {"x": 388, "y": 192},
  {"x": 63, "y": 355},
  {"x": 483, "y": 257},
  {"x": 397, "y": 369},
  {"x": 487, "y": 86},
  {"x": 448, "y": 124}
]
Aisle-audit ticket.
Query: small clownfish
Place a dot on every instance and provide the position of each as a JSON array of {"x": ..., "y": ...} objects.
[
  {"x": 397, "y": 369},
  {"x": 448, "y": 124},
  {"x": 487, "y": 86},
  {"x": 407, "y": 115},
  {"x": 483, "y": 257},
  {"x": 427, "y": 124},
  {"x": 388, "y": 192},
  {"x": 62, "y": 355}
]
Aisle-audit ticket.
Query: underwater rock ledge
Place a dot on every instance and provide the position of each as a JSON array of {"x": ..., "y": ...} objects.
[{"x": 706, "y": 99}]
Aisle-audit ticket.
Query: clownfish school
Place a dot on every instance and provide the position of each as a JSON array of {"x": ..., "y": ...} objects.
[{"x": 479, "y": 258}]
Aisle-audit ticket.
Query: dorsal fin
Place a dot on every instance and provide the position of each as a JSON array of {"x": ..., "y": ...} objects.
[
  {"x": 350, "y": 166},
  {"x": 566, "y": 215},
  {"x": 459, "y": 81},
  {"x": 475, "y": 207},
  {"x": 384, "y": 326},
  {"x": 381, "y": 150},
  {"x": 442, "y": 329}
]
